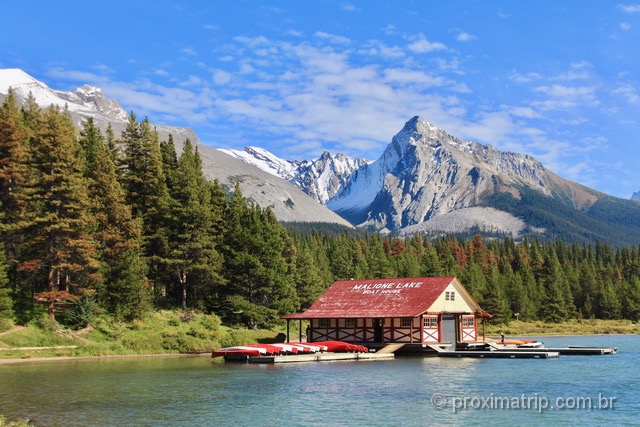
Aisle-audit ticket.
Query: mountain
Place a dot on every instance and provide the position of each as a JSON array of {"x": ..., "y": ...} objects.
[
  {"x": 636, "y": 196},
  {"x": 287, "y": 201},
  {"x": 320, "y": 178},
  {"x": 86, "y": 101},
  {"x": 426, "y": 181},
  {"x": 266, "y": 161},
  {"x": 429, "y": 181}
]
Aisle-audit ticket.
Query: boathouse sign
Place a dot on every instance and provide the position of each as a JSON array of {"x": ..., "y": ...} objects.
[{"x": 384, "y": 288}]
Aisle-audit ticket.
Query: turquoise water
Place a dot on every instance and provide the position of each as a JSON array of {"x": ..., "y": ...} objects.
[{"x": 407, "y": 391}]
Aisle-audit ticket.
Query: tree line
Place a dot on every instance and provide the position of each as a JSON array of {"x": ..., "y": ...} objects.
[{"x": 124, "y": 224}]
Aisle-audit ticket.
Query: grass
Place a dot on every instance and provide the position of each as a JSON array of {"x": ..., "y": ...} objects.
[
  {"x": 160, "y": 332},
  {"x": 6, "y": 423},
  {"x": 587, "y": 327},
  {"x": 173, "y": 332}
]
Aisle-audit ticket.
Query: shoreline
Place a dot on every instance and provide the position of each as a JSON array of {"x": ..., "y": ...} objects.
[
  {"x": 105, "y": 357},
  {"x": 16, "y": 361}
]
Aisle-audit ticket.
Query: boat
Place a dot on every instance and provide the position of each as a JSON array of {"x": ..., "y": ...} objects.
[
  {"x": 341, "y": 346},
  {"x": 253, "y": 350},
  {"x": 310, "y": 347},
  {"x": 531, "y": 344},
  {"x": 236, "y": 352}
]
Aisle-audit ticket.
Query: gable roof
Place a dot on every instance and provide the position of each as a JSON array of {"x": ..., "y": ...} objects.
[{"x": 377, "y": 298}]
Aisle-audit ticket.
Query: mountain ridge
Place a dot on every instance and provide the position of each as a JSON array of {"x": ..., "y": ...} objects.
[
  {"x": 425, "y": 181},
  {"x": 287, "y": 201}
]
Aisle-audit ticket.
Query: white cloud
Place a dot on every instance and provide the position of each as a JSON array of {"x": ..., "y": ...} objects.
[
  {"x": 566, "y": 97},
  {"x": 464, "y": 37},
  {"x": 221, "y": 77},
  {"x": 349, "y": 7},
  {"x": 420, "y": 44},
  {"x": 188, "y": 51},
  {"x": 525, "y": 78},
  {"x": 332, "y": 38},
  {"x": 625, "y": 26},
  {"x": 629, "y": 92},
  {"x": 629, "y": 8}
]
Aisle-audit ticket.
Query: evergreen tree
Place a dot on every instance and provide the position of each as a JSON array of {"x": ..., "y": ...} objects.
[
  {"x": 494, "y": 299},
  {"x": 258, "y": 265},
  {"x": 6, "y": 302},
  {"x": 554, "y": 306},
  {"x": 147, "y": 194},
  {"x": 60, "y": 244},
  {"x": 14, "y": 177},
  {"x": 124, "y": 290},
  {"x": 195, "y": 260}
]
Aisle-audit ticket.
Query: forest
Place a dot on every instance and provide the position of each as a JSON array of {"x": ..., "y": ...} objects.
[{"x": 120, "y": 225}]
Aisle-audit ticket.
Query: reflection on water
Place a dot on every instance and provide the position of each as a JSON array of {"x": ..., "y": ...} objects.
[{"x": 197, "y": 391}]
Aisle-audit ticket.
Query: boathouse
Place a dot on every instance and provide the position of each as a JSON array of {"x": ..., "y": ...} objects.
[{"x": 423, "y": 310}]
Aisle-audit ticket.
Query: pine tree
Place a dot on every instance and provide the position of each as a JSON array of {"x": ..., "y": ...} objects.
[
  {"x": 60, "y": 244},
  {"x": 14, "y": 176},
  {"x": 124, "y": 290},
  {"x": 494, "y": 299},
  {"x": 6, "y": 302},
  {"x": 147, "y": 194},
  {"x": 258, "y": 264},
  {"x": 195, "y": 260}
]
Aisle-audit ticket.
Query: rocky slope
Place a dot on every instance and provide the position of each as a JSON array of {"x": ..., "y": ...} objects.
[
  {"x": 320, "y": 178},
  {"x": 425, "y": 173}
]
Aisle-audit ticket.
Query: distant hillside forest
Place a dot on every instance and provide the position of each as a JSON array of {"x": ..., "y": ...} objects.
[{"x": 95, "y": 223}]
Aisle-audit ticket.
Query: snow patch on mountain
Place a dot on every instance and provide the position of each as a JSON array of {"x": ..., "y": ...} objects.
[
  {"x": 87, "y": 101},
  {"x": 425, "y": 172},
  {"x": 266, "y": 161},
  {"x": 320, "y": 178}
]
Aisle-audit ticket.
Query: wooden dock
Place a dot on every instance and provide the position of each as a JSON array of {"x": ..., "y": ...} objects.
[
  {"x": 501, "y": 354},
  {"x": 495, "y": 354},
  {"x": 563, "y": 351},
  {"x": 314, "y": 357}
]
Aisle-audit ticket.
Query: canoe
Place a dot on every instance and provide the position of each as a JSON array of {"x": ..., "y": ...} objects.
[
  {"x": 236, "y": 352},
  {"x": 341, "y": 346}
]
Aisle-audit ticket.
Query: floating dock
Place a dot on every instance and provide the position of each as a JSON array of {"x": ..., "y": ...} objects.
[
  {"x": 492, "y": 350},
  {"x": 563, "y": 351},
  {"x": 501, "y": 354},
  {"x": 314, "y": 357}
]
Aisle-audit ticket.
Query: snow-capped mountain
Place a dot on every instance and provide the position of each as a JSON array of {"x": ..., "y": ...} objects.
[
  {"x": 286, "y": 201},
  {"x": 426, "y": 173},
  {"x": 267, "y": 161},
  {"x": 323, "y": 177},
  {"x": 320, "y": 178},
  {"x": 86, "y": 101},
  {"x": 426, "y": 181}
]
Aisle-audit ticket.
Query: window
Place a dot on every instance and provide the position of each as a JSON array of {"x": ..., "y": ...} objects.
[
  {"x": 324, "y": 323},
  {"x": 449, "y": 296},
  {"x": 468, "y": 322},
  {"x": 430, "y": 322},
  {"x": 405, "y": 322},
  {"x": 350, "y": 323}
]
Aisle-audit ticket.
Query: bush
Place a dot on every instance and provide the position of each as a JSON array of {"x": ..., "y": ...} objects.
[
  {"x": 81, "y": 314},
  {"x": 6, "y": 423}
]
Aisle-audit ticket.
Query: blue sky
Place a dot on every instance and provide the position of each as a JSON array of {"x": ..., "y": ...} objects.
[{"x": 559, "y": 80}]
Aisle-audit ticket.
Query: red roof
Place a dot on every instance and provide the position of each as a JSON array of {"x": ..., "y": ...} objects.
[{"x": 377, "y": 298}]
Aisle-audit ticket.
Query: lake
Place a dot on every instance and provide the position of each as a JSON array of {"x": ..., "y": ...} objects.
[{"x": 410, "y": 391}]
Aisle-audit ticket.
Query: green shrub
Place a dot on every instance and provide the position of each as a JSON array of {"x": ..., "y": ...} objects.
[{"x": 6, "y": 423}]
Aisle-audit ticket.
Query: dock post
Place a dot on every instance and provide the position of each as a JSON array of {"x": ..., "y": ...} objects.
[{"x": 288, "y": 320}]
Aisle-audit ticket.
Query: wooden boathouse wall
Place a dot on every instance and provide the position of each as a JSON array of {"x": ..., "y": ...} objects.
[
  {"x": 426, "y": 329},
  {"x": 409, "y": 310}
]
